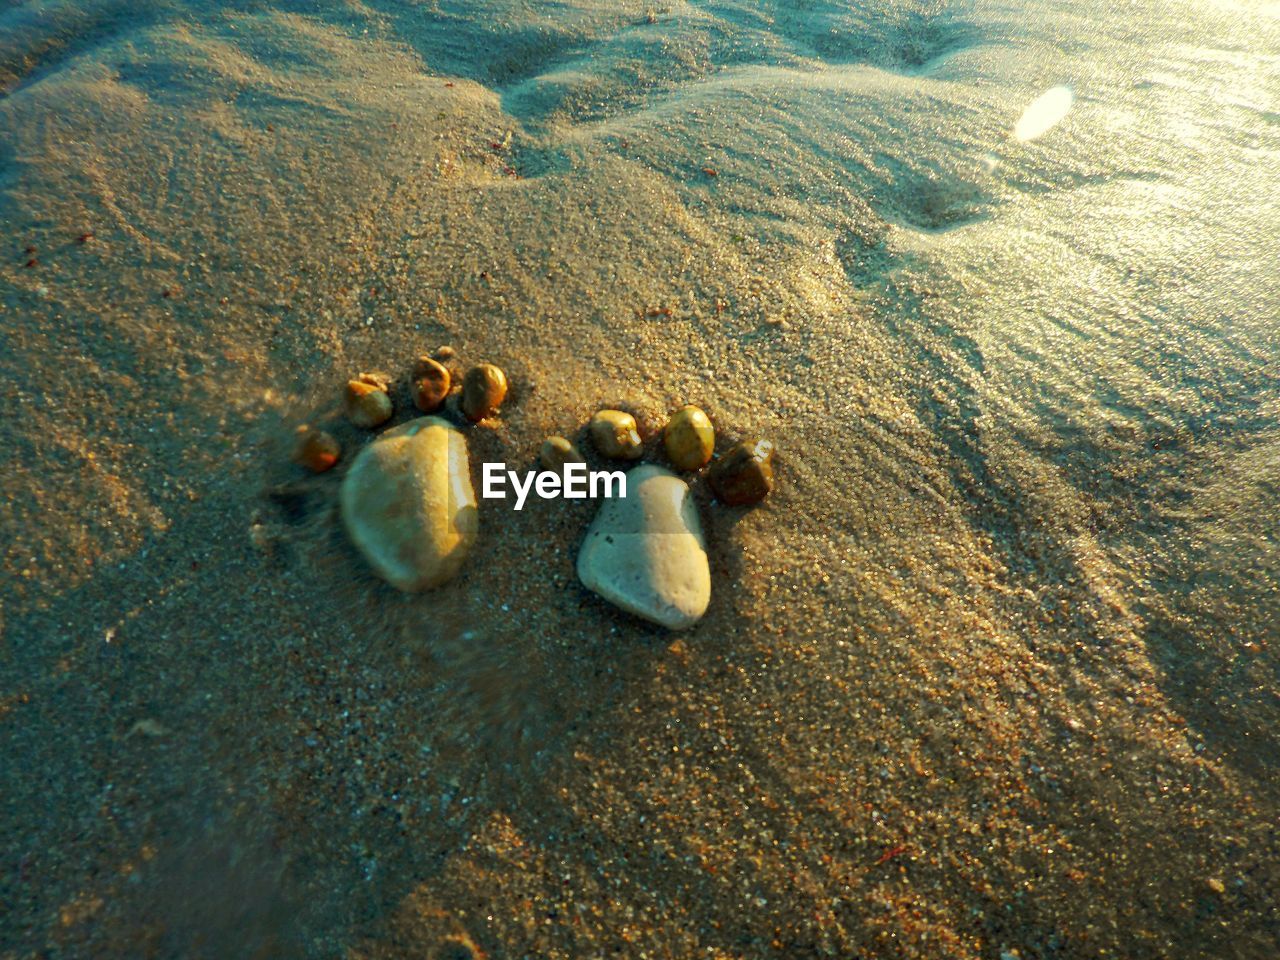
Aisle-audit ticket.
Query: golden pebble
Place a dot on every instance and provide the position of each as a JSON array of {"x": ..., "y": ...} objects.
[
  {"x": 430, "y": 385},
  {"x": 317, "y": 450},
  {"x": 615, "y": 434},
  {"x": 689, "y": 438},
  {"x": 366, "y": 404},
  {"x": 483, "y": 390}
]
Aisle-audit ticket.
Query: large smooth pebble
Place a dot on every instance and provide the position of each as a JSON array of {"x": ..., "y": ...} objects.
[
  {"x": 645, "y": 552},
  {"x": 408, "y": 505}
]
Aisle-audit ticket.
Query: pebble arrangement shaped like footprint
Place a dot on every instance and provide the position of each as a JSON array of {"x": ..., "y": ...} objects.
[{"x": 408, "y": 504}]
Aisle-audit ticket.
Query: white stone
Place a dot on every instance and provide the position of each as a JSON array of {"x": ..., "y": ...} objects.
[
  {"x": 645, "y": 552},
  {"x": 408, "y": 505}
]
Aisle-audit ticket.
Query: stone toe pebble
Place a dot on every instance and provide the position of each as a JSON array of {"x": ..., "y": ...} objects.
[
  {"x": 744, "y": 475},
  {"x": 408, "y": 504},
  {"x": 645, "y": 552},
  {"x": 483, "y": 390},
  {"x": 316, "y": 450},
  {"x": 615, "y": 435},
  {"x": 366, "y": 403},
  {"x": 430, "y": 384},
  {"x": 556, "y": 453},
  {"x": 689, "y": 438}
]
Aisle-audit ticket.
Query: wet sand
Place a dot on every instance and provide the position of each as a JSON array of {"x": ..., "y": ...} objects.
[{"x": 993, "y": 672}]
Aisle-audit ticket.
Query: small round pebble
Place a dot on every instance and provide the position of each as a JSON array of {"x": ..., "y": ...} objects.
[
  {"x": 556, "y": 452},
  {"x": 483, "y": 390},
  {"x": 317, "y": 450},
  {"x": 744, "y": 475},
  {"x": 445, "y": 353},
  {"x": 689, "y": 438},
  {"x": 430, "y": 385},
  {"x": 366, "y": 404},
  {"x": 615, "y": 435}
]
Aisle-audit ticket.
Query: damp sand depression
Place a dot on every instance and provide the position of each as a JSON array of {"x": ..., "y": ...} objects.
[{"x": 992, "y": 673}]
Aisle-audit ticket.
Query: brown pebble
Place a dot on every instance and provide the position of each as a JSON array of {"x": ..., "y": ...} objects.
[
  {"x": 430, "y": 385},
  {"x": 366, "y": 404},
  {"x": 744, "y": 475},
  {"x": 317, "y": 450},
  {"x": 483, "y": 390},
  {"x": 445, "y": 353}
]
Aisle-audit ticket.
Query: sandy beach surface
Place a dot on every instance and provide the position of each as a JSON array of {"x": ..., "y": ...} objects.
[{"x": 993, "y": 673}]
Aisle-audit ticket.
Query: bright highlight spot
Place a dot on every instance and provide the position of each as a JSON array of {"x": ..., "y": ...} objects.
[{"x": 1045, "y": 112}]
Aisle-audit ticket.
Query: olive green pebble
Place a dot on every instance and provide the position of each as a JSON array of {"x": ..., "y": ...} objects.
[
  {"x": 615, "y": 435},
  {"x": 744, "y": 475},
  {"x": 430, "y": 384},
  {"x": 556, "y": 452},
  {"x": 483, "y": 390},
  {"x": 689, "y": 438},
  {"x": 317, "y": 450},
  {"x": 365, "y": 403}
]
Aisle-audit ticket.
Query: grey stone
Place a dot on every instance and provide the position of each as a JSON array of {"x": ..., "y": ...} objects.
[{"x": 645, "y": 552}]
